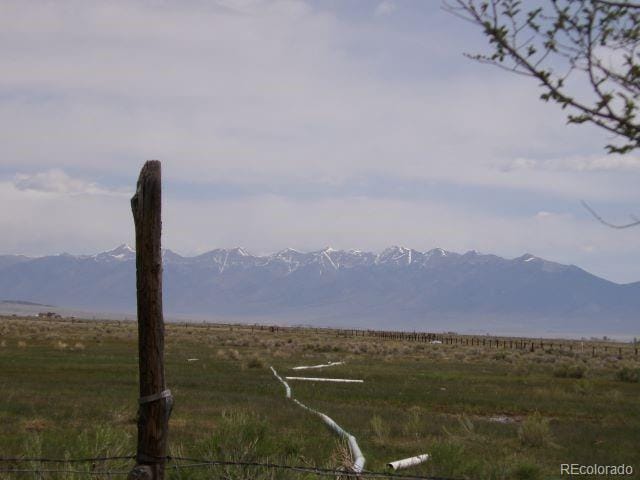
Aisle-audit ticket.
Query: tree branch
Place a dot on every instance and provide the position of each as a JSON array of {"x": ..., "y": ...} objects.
[{"x": 608, "y": 224}]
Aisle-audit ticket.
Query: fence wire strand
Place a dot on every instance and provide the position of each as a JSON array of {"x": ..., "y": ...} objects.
[
  {"x": 60, "y": 470},
  {"x": 174, "y": 463}
]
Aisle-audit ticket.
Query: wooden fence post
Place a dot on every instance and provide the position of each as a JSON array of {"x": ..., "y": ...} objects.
[{"x": 155, "y": 401}]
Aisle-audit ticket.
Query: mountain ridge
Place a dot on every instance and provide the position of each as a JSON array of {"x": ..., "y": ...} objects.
[
  {"x": 399, "y": 285},
  {"x": 394, "y": 254}
]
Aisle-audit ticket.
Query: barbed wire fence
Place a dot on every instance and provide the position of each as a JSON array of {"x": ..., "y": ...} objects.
[{"x": 23, "y": 467}]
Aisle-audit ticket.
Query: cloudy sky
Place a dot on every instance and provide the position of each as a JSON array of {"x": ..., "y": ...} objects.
[{"x": 291, "y": 123}]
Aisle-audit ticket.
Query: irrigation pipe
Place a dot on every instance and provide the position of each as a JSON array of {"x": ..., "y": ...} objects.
[
  {"x": 315, "y": 379},
  {"x": 356, "y": 453},
  {"x": 330, "y": 364},
  {"x": 408, "y": 462},
  {"x": 286, "y": 385}
]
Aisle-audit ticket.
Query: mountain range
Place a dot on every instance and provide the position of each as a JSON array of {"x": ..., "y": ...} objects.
[{"x": 399, "y": 288}]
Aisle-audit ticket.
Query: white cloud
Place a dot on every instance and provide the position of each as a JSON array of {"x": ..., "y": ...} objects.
[
  {"x": 49, "y": 223},
  {"x": 41, "y": 223},
  {"x": 543, "y": 214},
  {"x": 262, "y": 92},
  {"x": 57, "y": 181},
  {"x": 386, "y": 7},
  {"x": 271, "y": 92},
  {"x": 592, "y": 163}
]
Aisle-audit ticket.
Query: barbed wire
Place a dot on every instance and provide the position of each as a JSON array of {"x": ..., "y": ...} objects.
[
  {"x": 66, "y": 470},
  {"x": 67, "y": 460},
  {"x": 313, "y": 470},
  {"x": 201, "y": 463}
]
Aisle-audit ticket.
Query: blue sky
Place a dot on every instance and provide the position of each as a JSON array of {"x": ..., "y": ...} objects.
[{"x": 355, "y": 124}]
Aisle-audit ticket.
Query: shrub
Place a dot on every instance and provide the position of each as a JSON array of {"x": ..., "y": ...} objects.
[
  {"x": 583, "y": 387},
  {"x": 101, "y": 440},
  {"x": 239, "y": 436},
  {"x": 626, "y": 374},
  {"x": 500, "y": 356},
  {"x": 412, "y": 427},
  {"x": 448, "y": 458},
  {"x": 569, "y": 371},
  {"x": 467, "y": 427},
  {"x": 255, "y": 362},
  {"x": 340, "y": 458},
  {"x": 36, "y": 425},
  {"x": 527, "y": 471},
  {"x": 466, "y": 430},
  {"x": 379, "y": 428},
  {"x": 535, "y": 431},
  {"x": 33, "y": 448},
  {"x": 614, "y": 395}
]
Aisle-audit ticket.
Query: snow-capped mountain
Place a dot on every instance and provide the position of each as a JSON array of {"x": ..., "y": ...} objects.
[
  {"x": 121, "y": 253},
  {"x": 397, "y": 288}
]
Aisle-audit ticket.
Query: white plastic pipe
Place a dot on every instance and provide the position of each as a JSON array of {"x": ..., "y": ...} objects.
[
  {"x": 334, "y": 426},
  {"x": 330, "y": 364},
  {"x": 356, "y": 453},
  {"x": 408, "y": 462},
  {"x": 286, "y": 385},
  {"x": 314, "y": 379},
  {"x": 358, "y": 458}
]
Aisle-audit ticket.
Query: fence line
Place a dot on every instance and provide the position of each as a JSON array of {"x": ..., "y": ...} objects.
[
  {"x": 594, "y": 346},
  {"x": 67, "y": 460},
  {"x": 202, "y": 463},
  {"x": 107, "y": 473},
  {"x": 628, "y": 349}
]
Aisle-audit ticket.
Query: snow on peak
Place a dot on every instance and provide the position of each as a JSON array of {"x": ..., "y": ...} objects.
[
  {"x": 326, "y": 260},
  {"x": 435, "y": 252},
  {"x": 395, "y": 255},
  {"x": 288, "y": 254},
  {"x": 325, "y": 255},
  {"x": 289, "y": 250},
  {"x": 120, "y": 249},
  {"x": 121, "y": 252}
]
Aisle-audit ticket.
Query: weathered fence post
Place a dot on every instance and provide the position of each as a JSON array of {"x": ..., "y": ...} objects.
[{"x": 155, "y": 400}]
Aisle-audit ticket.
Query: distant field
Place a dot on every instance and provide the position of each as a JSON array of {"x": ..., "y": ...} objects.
[{"x": 69, "y": 389}]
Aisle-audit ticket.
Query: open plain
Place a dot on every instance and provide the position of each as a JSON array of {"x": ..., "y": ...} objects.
[{"x": 69, "y": 390}]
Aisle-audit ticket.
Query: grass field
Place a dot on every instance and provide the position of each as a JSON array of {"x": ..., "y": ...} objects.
[{"x": 69, "y": 389}]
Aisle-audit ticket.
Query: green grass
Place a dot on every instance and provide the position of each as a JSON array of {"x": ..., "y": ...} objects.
[{"x": 70, "y": 390}]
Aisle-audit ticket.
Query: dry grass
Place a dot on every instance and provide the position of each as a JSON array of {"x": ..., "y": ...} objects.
[
  {"x": 535, "y": 431},
  {"x": 36, "y": 425},
  {"x": 379, "y": 429},
  {"x": 417, "y": 397}
]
